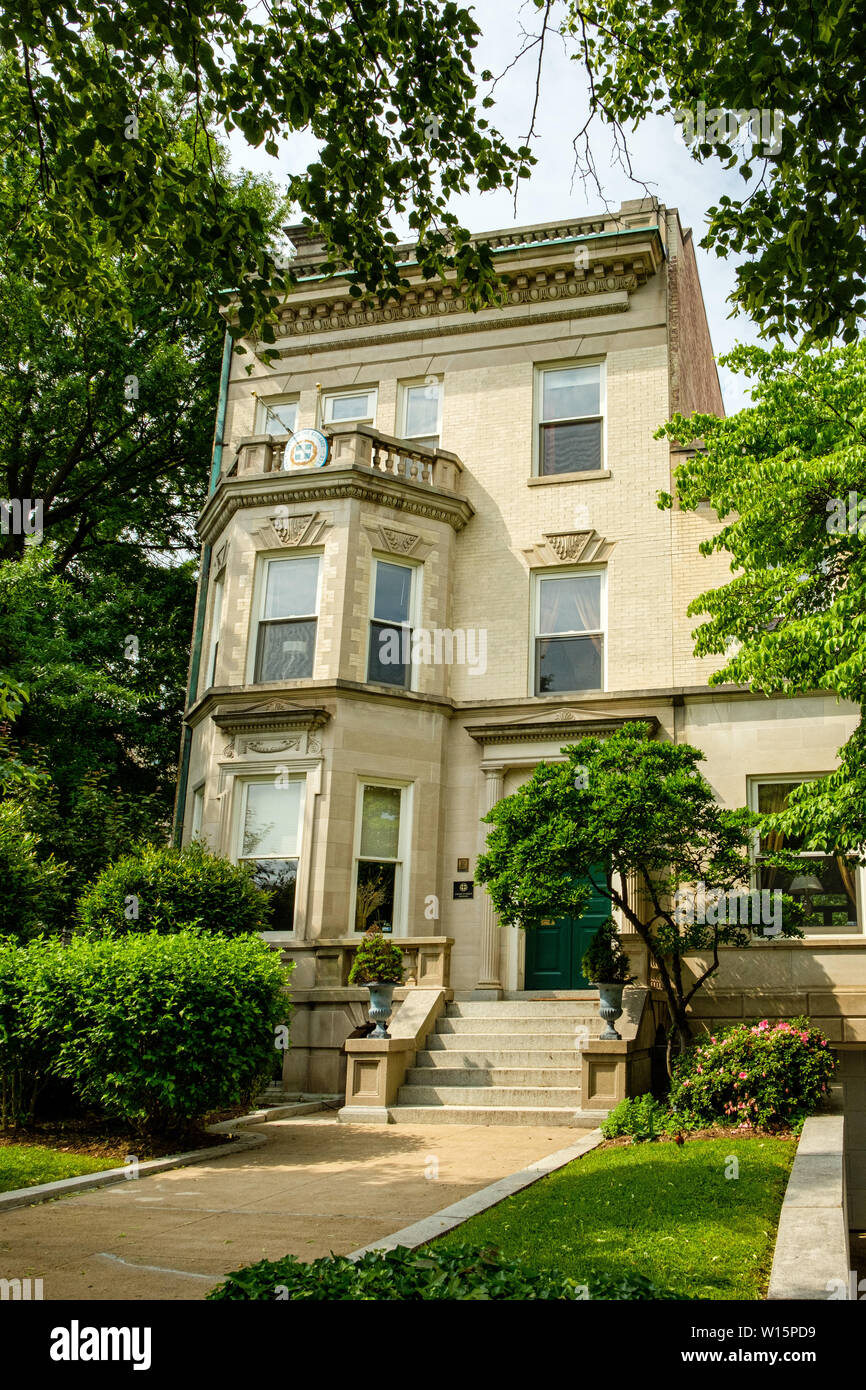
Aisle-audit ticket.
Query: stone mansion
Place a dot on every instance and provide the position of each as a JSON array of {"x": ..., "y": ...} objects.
[{"x": 432, "y": 556}]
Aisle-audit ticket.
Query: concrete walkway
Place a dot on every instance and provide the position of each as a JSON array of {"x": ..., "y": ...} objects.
[{"x": 317, "y": 1186}]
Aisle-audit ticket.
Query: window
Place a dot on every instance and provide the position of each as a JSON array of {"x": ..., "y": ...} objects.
[
  {"x": 827, "y": 884},
  {"x": 197, "y": 812},
  {"x": 421, "y": 413},
  {"x": 570, "y": 418},
  {"x": 215, "y": 623},
  {"x": 569, "y": 633},
  {"x": 286, "y": 639},
  {"x": 390, "y": 654},
  {"x": 338, "y": 407},
  {"x": 276, "y": 414},
  {"x": 379, "y": 861},
  {"x": 270, "y": 840}
]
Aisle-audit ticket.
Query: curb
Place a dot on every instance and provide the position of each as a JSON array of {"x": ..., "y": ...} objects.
[
  {"x": 87, "y": 1182},
  {"x": 445, "y": 1220}
]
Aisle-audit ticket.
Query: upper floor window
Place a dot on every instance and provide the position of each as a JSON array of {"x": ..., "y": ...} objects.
[
  {"x": 197, "y": 812},
  {"x": 288, "y": 613},
  {"x": 421, "y": 413},
  {"x": 339, "y": 407},
  {"x": 826, "y": 883},
  {"x": 271, "y": 817},
  {"x": 276, "y": 414},
  {"x": 570, "y": 417},
  {"x": 569, "y": 632},
  {"x": 215, "y": 624},
  {"x": 391, "y": 624}
]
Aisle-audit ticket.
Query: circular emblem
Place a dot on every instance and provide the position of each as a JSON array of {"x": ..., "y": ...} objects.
[{"x": 307, "y": 449}]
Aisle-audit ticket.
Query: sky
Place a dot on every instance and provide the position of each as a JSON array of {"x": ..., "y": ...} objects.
[{"x": 659, "y": 158}]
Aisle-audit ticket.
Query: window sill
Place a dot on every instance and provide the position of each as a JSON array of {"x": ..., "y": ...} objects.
[{"x": 588, "y": 477}]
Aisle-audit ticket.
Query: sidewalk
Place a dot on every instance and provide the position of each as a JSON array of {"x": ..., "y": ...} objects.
[{"x": 317, "y": 1186}]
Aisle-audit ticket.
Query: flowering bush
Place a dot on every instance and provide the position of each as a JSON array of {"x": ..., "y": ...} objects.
[{"x": 759, "y": 1074}]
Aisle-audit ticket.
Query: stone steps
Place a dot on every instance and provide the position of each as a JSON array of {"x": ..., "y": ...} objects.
[
  {"x": 533, "y": 1078},
  {"x": 536, "y": 1059},
  {"x": 511, "y": 1061},
  {"x": 526, "y": 1097},
  {"x": 487, "y": 1115}
]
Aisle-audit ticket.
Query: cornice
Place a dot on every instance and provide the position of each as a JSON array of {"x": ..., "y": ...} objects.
[
  {"x": 565, "y": 724},
  {"x": 303, "y": 486}
]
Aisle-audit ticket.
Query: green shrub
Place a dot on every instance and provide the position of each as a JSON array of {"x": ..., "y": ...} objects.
[
  {"x": 376, "y": 960},
  {"x": 31, "y": 880},
  {"x": 165, "y": 889},
  {"x": 761, "y": 1074},
  {"x": 24, "y": 1055},
  {"x": 402, "y": 1275},
  {"x": 159, "y": 1030},
  {"x": 605, "y": 961},
  {"x": 642, "y": 1117}
]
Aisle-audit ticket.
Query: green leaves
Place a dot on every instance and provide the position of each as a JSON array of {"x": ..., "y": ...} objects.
[
  {"x": 155, "y": 1031},
  {"x": 786, "y": 476},
  {"x": 798, "y": 226}
]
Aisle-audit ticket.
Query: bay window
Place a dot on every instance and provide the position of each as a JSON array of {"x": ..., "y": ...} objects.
[{"x": 288, "y": 616}]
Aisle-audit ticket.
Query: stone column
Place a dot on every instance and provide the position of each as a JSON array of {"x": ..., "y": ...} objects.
[{"x": 489, "y": 982}]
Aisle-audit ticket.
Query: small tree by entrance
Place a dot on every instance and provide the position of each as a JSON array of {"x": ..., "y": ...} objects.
[{"x": 643, "y": 807}]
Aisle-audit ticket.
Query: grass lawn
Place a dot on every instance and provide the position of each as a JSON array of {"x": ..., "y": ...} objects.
[
  {"x": 660, "y": 1210},
  {"x": 25, "y": 1165}
]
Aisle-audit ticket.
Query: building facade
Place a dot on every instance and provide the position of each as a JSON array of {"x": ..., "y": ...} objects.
[{"x": 390, "y": 640}]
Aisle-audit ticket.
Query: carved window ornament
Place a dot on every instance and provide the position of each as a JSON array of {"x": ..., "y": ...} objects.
[
  {"x": 286, "y": 528},
  {"x": 569, "y": 548}
]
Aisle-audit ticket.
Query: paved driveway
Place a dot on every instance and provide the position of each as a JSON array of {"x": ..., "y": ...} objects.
[{"x": 317, "y": 1186}]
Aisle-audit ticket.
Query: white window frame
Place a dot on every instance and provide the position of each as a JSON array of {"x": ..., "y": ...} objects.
[
  {"x": 264, "y": 423},
  {"x": 538, "y": 420},
  {"x": 405, "y": 388},
  {"x": 400, "y": 925},
  {"x": 216, "y": 611},
  {"x": 241, "y": 788},
  {"x": 263, "y": 562},
  {"x": 415, "y": 610},
  {"x": 563, "y": 572},
  {"x": 790, "y": 779},
  {"x": 328, "y": 398},
  {"x": 196, "y": 816}
]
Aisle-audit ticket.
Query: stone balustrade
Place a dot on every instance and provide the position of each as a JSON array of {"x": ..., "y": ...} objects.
[
  {"x": 358, "y": 446},
  {"x": 325, "y": 963}
]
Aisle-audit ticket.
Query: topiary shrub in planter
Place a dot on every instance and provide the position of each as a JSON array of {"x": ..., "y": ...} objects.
[
  {"x": 761, "y": 1074},
  {"x": 158, "y": 1031},
  {"x": 605, "y": 964},
  {"x": 379, "y": 965},
  {"x": 165, "y": 889},
  {"x": 402, "y": 1275}
]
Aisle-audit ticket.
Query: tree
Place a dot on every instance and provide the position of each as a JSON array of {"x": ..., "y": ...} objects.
[
  {"x": 102, "y": 658},
  {"x": 641, "y": 807},
  {"x": 386, "y": 89},
  {"x": 799, "y": 223},
  {"x": 787, "y": 477}
]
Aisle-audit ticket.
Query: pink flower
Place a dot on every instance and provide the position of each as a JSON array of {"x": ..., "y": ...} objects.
[{"x": 742, "y": 1076}]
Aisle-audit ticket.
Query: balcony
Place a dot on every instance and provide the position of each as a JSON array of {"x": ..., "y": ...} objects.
[
  {"x": 356, "y": 446},
  {"x": 363, "y": 464}
]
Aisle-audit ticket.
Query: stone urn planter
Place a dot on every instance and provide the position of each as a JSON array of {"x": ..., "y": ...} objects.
[
  {"x": 381, "y": 995},
  {"x": 605, "y": 965},
  {"x": 378, "y": 964},
  {"x": 610, "y": 1008}
]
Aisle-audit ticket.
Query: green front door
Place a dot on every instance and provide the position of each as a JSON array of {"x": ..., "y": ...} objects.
[{"x": 555, "y": 950}]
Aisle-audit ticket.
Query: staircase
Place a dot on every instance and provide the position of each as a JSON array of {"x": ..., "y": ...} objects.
[{"x": 511, "y": 1062}]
